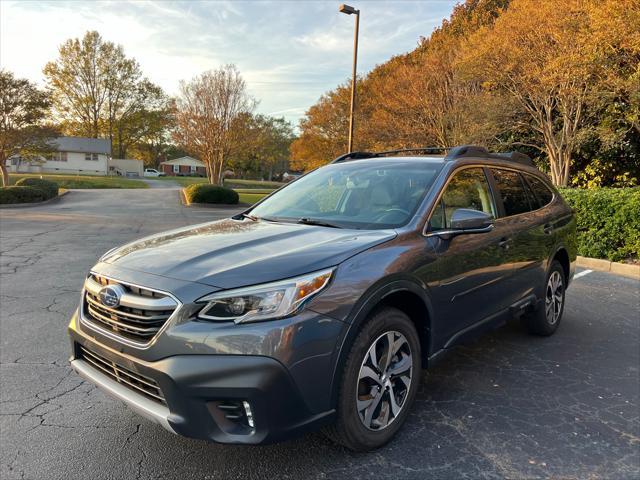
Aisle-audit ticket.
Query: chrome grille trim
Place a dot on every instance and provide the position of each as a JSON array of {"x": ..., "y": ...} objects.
[
  {"x": 139, "y": 383},
  {"x": 138, "y": 323},
  {"x": 129, "y": 316},
  {"x": 121, "y": 326},
  {"x": 133, "y": 301}
]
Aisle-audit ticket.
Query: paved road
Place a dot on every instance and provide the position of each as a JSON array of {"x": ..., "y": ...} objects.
[
  {"x": 506, "y": 406},
  {"x": 160, "y": 183}
]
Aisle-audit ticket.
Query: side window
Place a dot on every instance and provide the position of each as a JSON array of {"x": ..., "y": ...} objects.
[
  {"x": 541, "y": 191},
  {"x": 467, "y": 189},
  {"x": 513, "y": 191}
]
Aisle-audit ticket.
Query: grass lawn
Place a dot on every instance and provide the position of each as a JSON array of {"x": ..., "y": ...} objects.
[
  {"x": 263, "y": 191},
  {"x": 251, "y": 198},
  {"x": 82, "y": 181},
  {"x": 231, "y": 183},
  {"x": 183, "y": 181}
]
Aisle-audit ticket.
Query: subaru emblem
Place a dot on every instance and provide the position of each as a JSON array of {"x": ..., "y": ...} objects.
[{"x": 110, "y": 295}]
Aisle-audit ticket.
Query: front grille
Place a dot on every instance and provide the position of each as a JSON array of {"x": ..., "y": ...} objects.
[
  {"x": 138, "y": 317},
  {"x": 139, "y": 383}
]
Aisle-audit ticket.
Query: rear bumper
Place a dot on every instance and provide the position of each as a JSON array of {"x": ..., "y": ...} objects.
[{"x": 196, "y": 386}]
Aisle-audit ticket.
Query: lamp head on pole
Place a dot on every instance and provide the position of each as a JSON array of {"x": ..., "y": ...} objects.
[{"x": 347, "y": 9}]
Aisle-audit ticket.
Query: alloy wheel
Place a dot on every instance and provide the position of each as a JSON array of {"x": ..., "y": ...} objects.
[
  {"x": 384, "y": 380},
  {"x": 554, "y": 297}
]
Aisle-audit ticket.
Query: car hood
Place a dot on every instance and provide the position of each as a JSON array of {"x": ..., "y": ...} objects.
[{"x": 231, "y": 253}]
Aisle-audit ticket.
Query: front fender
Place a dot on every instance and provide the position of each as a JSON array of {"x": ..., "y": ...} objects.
[{"x": 370, "y": 300}]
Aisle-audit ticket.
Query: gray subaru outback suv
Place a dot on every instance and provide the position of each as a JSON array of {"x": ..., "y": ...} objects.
[{"x": 320, "y": 305}]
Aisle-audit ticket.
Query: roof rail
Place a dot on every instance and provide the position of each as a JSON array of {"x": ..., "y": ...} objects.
[
  {"x": 452, "y": 153},
  {"x": 419, "y": 149},
  {"x": 359, "y": 155},
  {"x": 515, "y": 157},
  {"x": 354, "y": 156},
  {"x": 463, "y": 151}
]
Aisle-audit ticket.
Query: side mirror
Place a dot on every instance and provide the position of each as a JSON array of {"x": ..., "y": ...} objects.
[{"x": 465, "y": 220}]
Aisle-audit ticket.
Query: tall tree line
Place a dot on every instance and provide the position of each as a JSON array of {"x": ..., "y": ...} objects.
[{"x": 559, "y": 79}]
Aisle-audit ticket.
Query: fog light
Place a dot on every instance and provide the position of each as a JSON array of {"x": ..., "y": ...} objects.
[{"x": 247, "y": 411}]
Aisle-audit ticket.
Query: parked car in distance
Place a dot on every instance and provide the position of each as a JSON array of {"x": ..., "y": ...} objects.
[
  {"x": 152, "y": 172},
  {"x": 320, "y": 305}
]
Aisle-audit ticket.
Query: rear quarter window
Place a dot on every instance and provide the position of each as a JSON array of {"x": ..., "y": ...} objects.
[{"x": 543, "y": 193}]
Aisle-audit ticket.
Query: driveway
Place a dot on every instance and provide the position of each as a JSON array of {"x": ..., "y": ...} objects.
[
  {"x": 160, "y": 183},
  {"x": 505, "y": 406}
]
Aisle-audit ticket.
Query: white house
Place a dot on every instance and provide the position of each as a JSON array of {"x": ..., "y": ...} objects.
[
  {"x": 74, "y": 155},
  {"x": 184, "y": 166},
  {"x": 126, "y": 167}
]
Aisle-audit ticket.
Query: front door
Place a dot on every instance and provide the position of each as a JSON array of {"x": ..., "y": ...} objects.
[{"x": 471, "y": 268}]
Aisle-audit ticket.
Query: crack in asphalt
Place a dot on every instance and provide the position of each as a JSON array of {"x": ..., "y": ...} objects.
[{"x": 504, "y": 406}]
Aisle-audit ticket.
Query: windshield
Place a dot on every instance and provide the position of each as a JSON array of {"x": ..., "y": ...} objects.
[{"x": 372, "y": 195}]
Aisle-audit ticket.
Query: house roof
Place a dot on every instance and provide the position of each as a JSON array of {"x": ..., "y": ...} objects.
[
  {"x": 184, "y": 161},
  {"x": 83, "y": 145}
]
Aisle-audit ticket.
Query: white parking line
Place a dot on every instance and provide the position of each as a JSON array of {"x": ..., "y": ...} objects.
[{"x": 582, "y": 274}]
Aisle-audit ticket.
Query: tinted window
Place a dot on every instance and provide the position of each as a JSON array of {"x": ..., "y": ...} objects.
[
  {"x": 541, "y": 191},
  {"x": 513, "y": 192},
  {"x": 467, "y": 189},
  {"x": 371, "y": 194}
]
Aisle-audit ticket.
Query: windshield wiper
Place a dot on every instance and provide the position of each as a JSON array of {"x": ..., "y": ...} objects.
[
  {"x": 246, "y": 215},
  {"x": 320, "y": 223}
]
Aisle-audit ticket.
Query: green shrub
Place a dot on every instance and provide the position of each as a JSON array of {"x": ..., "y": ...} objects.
[
  {"x": 205, "y": 193},
  {"x": 47, "y": 186},
  {"x": 21, "y": 194},
  {"x": 608, "y": 221}
]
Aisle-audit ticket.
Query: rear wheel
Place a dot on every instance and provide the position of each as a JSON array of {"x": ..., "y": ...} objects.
[
  {"x": 379, "y": 383},
  {"x": 545, "y": 320}
]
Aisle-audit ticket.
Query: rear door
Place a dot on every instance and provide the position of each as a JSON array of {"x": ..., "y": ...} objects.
[
  {"x": 531, "y": 239},
  {"x": 471, "y": 269}
]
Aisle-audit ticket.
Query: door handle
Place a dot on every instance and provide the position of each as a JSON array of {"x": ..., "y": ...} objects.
[
  {"x": 504, "y": 243},
  {"x": 547, "y": 229}
]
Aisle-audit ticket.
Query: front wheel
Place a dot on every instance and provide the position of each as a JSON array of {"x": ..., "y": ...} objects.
[
  {"x": 379, "y": 382},
  {"x": 545, "y": 320}
]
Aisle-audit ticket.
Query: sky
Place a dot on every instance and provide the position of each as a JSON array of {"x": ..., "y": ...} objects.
[{"x": 289, "y": 52}]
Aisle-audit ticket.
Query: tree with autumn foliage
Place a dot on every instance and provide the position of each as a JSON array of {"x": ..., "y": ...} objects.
[
  {"x": 99, "y": 92},
  {"x": 558, "y": 79},
  {"x": 23, "y": 129},
  {"x": 208, "y": 109}
]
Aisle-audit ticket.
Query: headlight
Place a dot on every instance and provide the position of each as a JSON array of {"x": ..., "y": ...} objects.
[{"x": 263, "y": 302}]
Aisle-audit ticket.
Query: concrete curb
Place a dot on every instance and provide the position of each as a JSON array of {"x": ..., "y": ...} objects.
[
  {"x": 35, "y": 204},
  {"x": 624, "y": 269},
  {"x": 185, "y": 202}
]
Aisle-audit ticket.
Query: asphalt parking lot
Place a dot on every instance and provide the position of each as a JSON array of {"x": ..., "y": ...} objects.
[{"x": 505, "y": 406}]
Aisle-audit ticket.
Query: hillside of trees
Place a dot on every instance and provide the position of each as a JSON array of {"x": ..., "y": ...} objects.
[{"x": 557, "y": 79}]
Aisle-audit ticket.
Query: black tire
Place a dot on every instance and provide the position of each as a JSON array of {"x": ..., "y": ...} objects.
[
  {"x": 349, "y": 429},
  {"x": 540, "y": 322}
]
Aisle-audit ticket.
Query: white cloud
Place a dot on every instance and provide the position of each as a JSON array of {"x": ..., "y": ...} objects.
[{"x": 289, "y": 52}]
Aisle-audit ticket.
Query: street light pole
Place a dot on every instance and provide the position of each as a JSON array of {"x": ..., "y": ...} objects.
[{"x": 349, "y": 11}]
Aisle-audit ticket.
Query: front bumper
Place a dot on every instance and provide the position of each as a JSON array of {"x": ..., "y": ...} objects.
[{"x": 195, "y": 388}]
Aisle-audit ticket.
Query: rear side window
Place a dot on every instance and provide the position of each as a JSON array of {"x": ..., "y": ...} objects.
[
  {"x": 541, "y": 191},
  {"x": 513, "y": 191}
]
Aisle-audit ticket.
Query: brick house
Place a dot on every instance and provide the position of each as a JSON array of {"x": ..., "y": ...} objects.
[{"x": 184, "y": 167}]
